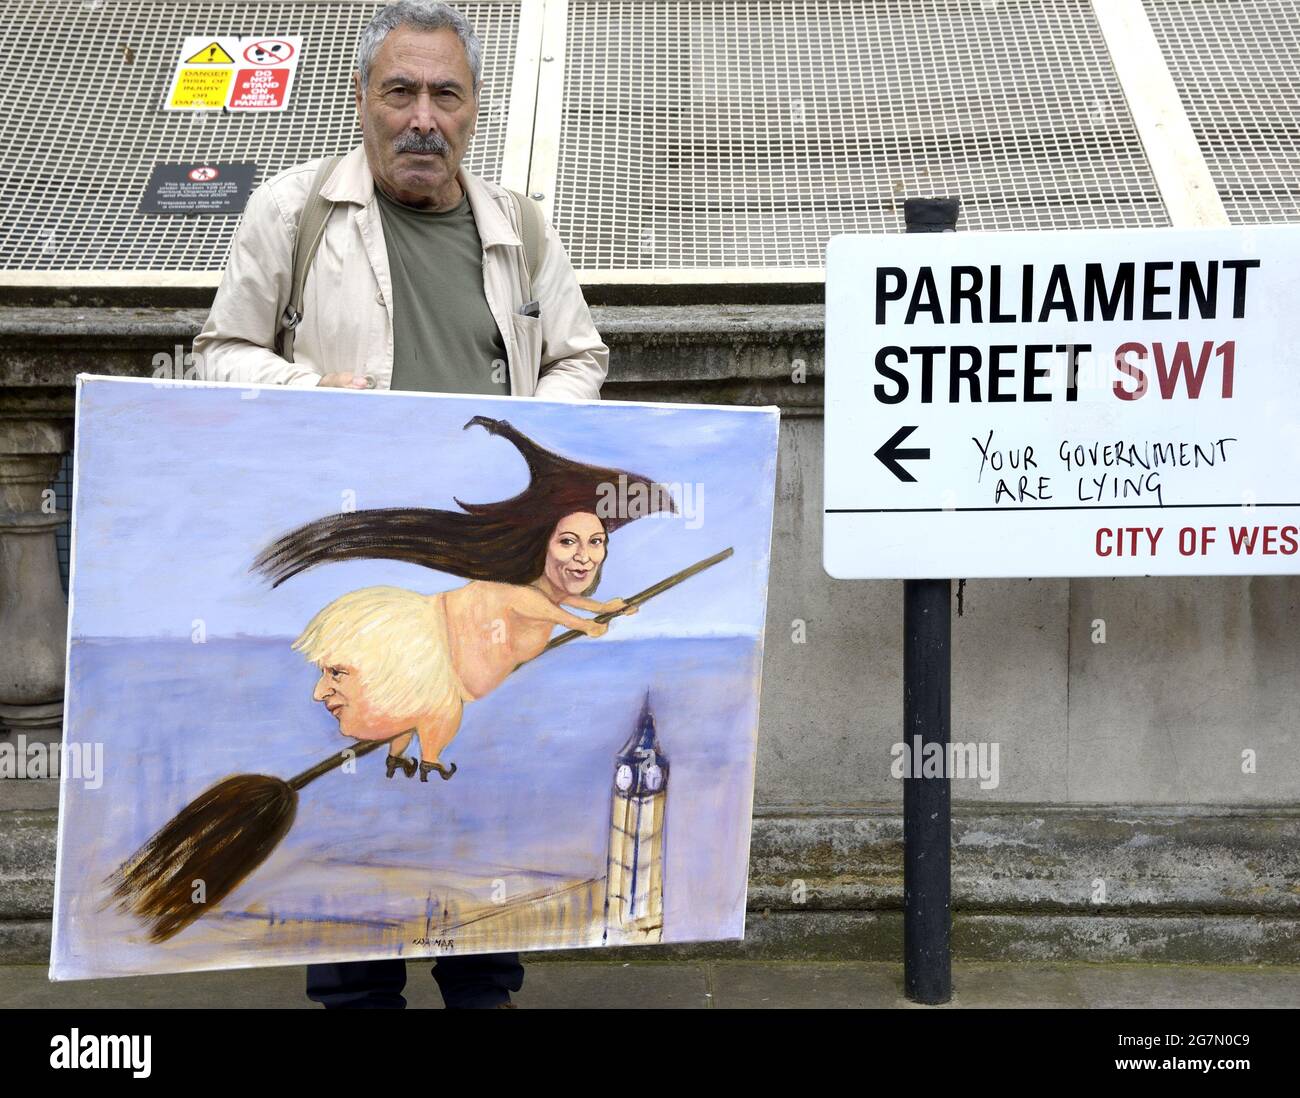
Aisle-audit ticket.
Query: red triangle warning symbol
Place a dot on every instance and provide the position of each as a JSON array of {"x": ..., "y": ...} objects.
[{"x": 211, "y": 54}]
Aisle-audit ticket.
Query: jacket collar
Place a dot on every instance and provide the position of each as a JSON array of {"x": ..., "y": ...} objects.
[{"x": 352, "y": 182}]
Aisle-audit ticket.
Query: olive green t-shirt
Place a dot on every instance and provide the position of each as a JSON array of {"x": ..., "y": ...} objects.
[{"x": 444, "y": 337}]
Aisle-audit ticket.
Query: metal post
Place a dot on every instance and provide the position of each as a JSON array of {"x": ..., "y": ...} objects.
[
  {"x": 927, "y": 720},
  {"x": 927, "y": 820}
]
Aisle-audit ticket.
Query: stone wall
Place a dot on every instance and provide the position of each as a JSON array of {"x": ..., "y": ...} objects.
[{"x": 1124, "y": 823}]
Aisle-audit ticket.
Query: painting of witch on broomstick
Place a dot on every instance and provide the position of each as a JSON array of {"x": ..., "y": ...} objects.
[
  {"x": 527, "y": 558},
  {"x": 397, "y": 667}
]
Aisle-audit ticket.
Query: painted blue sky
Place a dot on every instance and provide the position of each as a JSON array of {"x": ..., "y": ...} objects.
[{"x": 179, "y": 486}]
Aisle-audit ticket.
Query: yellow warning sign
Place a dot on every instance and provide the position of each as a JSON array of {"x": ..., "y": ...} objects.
[
  {"x": 211, "y": 54},
  {"x": 204, "y": 73},
  {"x": 231, "y": 72},
  {"x": 200, "y": 89}
]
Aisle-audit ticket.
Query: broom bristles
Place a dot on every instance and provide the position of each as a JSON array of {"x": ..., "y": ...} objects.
[{"x": 218, "y": 839}]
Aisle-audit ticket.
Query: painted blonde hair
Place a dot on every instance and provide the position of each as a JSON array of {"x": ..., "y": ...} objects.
[{"x": 397, "y": 642}]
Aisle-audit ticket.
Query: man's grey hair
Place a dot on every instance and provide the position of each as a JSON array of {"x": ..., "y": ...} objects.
[{"x": 424, "y": 15}]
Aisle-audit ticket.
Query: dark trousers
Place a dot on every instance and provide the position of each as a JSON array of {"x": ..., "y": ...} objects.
[{"x": 476, "y": 980}]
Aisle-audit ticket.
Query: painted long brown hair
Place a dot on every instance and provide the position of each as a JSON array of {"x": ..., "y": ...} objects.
[{"x": 504, "y": 541}]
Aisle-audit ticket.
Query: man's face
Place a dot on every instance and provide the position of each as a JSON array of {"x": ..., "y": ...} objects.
[
  {"x": 343, "y": 692},
  {"x": 417, "y": 116}
]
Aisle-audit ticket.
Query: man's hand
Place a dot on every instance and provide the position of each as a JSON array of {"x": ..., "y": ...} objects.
[
  {"x": 616, "y": 605},
  {"x": 348, "y": 381}
]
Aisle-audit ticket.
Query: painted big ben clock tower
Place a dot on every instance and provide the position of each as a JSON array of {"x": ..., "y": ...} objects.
[{"x": 634, "y": 890}]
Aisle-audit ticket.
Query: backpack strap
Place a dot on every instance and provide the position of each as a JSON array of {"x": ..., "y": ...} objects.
[
  {"x": 533, "y": 233},
  {"x": 311, "y": 227}
]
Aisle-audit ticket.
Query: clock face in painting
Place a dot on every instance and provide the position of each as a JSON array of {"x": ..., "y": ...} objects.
[
  {"x": 654, "y": 777},
  {"x": 623, "y": 778}
]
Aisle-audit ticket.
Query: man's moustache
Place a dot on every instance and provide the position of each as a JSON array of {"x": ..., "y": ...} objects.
[{"x": 438, "y": 147}]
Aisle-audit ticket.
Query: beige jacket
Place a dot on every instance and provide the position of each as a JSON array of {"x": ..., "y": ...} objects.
[{"x": 347, "y": 324}]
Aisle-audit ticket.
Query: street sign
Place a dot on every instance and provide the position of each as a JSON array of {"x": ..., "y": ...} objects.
[{"x": 1099, "y": 403}]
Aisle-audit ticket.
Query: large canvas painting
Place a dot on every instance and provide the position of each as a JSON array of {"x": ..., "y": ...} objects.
[{"x": 381, "y": 675}]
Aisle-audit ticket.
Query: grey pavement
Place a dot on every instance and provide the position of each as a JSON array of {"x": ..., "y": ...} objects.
[{"x": 741, "y": 984}]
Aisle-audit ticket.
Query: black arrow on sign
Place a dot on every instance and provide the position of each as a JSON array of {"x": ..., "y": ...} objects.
[{"x": 889, "y": 454}]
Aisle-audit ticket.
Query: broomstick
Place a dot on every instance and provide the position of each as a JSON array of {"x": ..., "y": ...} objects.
[{"x": 223, "y": 835}]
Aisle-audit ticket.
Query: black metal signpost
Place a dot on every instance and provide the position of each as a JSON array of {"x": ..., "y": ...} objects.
[{"x": 927, "y": 802}]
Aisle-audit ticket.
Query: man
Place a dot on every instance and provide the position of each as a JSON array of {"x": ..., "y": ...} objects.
[
  {"x": 418, "y": 280},
  {"x": 418, "y": 283}
]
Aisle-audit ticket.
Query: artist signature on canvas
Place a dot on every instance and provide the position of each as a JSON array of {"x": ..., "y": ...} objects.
[{"x": 440, "y": 943}]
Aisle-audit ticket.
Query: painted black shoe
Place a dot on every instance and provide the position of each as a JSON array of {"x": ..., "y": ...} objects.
[
  {"x": 407, "y": 765},
  {"x": 428, "y": 768}
]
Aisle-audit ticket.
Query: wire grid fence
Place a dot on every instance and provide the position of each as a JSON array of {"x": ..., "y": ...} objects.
[
  {"x": 693, "y": 133},
  {"x": 82, "y": 87},
  {"x": 1237, "y": 69},
  {"x": 63, "y": 500},
  {"x": 746, "y": 133}
]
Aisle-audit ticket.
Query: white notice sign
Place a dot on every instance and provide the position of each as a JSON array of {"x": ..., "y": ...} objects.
[{"x": 1107, "y": 403}]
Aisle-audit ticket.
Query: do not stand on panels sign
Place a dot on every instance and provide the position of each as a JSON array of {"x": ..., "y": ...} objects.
[{"x": 1105, "y": 403}]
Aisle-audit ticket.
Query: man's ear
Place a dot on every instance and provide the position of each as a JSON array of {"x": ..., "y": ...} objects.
[{"x": 356, "y": 89}]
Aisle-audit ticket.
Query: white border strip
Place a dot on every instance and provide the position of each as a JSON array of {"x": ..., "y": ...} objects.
[
  {"x": 674, "y": 276},
  {"x": 677, "y": 276},
  {"x": 523, "y": 97},
  {"x": 333, "y": 393},
  {"x": 550, "y": 98},
  {"x": 110, "y": 279},
  {"x": 1180, "y": 171},
  {"x": 56, "y": 971}
]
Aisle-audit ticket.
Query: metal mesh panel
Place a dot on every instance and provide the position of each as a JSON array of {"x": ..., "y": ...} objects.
[
  {"x": 745, "y": 133},
  {"x": 1236, "y": 64},
  {"x": 63, "y": 500},
  {"x": 82, "y": 85}
]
